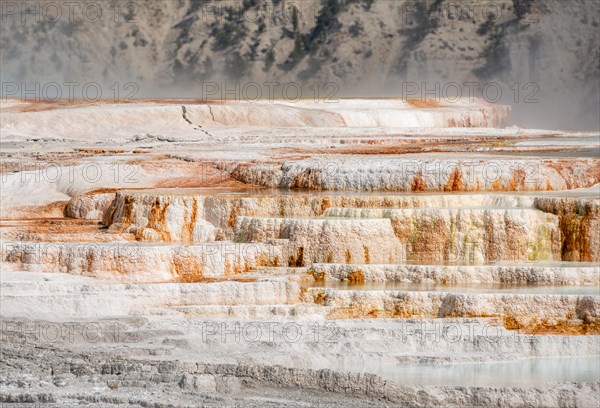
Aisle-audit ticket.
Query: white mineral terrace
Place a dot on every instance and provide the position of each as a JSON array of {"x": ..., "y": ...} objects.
[{"x": 368, "y": 252}]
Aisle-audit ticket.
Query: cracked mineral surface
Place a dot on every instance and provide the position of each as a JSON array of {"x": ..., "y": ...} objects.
[{"x": 274, "y": 254}]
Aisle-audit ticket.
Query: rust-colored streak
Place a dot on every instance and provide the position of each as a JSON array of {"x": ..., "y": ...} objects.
[
  {"x": 356, "y": 277},
  {"x": 545, "y": 327},
  {"x": 517, "y": 181},
  {"x": 297, "y": 260},
  {"x": 187, "y": 269},
  {"x": 423, "y": 103},
  {"x": 418, "y": 183},
  {"x": 325, "y": 204},
  {"x": 158, "y": 220},
  {"x": 454, "y": 181},
  {"x": 187, "y": 234}
]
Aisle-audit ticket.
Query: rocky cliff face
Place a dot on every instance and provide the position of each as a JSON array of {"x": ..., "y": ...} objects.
[{"x": 532, "y": 50}]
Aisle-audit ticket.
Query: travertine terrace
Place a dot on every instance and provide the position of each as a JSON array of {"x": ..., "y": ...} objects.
[{"x": 274, "y": 254}]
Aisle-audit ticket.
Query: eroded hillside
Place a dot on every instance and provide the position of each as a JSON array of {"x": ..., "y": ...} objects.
[{"x": 542, "y": 54}]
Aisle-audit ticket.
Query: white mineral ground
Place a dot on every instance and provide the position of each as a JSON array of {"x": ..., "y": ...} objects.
[{"x": 362, "y": 253}]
